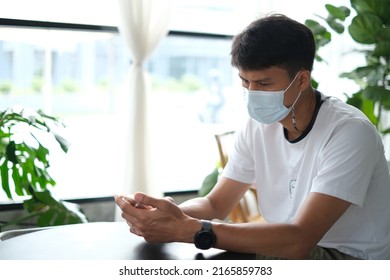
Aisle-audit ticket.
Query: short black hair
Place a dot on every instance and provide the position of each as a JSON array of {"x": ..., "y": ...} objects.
[{"x": 274, "y": 40}]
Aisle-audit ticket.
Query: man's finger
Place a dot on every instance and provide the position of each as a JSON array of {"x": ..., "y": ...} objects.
[
  {"x": 124, "y": 200},
  {"x": 148, "y": 200}
]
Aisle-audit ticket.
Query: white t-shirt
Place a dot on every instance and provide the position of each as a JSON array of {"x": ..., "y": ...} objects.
[{"x": 342, "y": 156}]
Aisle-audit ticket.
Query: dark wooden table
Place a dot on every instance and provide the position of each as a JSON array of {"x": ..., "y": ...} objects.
[{"x": 104, "y": 241}]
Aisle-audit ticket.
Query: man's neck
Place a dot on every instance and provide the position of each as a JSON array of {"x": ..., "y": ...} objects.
[{"x": 304, "y": 111}]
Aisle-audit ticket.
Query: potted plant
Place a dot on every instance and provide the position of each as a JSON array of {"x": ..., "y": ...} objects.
[
  {"x": 370, "y": 29},
  {"x": 24, "y": 167}
]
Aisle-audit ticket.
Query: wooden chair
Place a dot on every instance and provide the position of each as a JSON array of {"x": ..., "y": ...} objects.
[
  {"x": 247, "y": 209},
  {"x": 224, "y": 142}
]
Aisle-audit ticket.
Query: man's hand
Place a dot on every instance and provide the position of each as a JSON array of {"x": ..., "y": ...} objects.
[{"x": 157, "y": 220}]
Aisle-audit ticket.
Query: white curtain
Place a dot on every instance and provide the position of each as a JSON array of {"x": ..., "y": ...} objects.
[{"x": 143, "y": 24}]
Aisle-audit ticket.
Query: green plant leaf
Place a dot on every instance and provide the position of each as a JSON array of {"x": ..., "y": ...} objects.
[
  {"x": 322, "y": 41},
  {"x": 74, "y": 213},
  {"x": 314, "y": 83},
  {"x": 382, "y": 49},
  {"x": 340, "y": 13},
  {"x": 376, "y": 93},
  {"x": 365, "y": 28},
  {"x": 355, "y": 100},
  {"x": 60, "y": 218},
  {"x": 47, "y": 178},
  {"x": 361, "y": 6},
  {"x": 386, "y": 104},
  {"x": 336, "y": 17},
  {"x": 382, "y": 8},
  {"x": 371, "y": 74},
  {"x": 33, "y": 205},
  {"x": 315, "y": 27},
  {"x": 209, "y": 182},
  {"x": 25, "y": 182},
  {"x": 56, "y": 212},
  {"x": 319, "y": 58},
  {"x": 336, "y": 26},
  {"x": 368, "y": 108},
  {"x": 365, "y": 105},
  {"x": 42, "y": 154},
  {"x": 321, "y": 35},
  {"x": 4, "y": 179},
  {"x": 11, "y": 152},
  {"x": 386, "y": 131},
  {"x": 37, "y": 179},
  {"x": 65, "y": 144},
  {"x": 384, "y": 35},
  {"x": 378, "y": 7},
  {"x": 17, "y": 180}
]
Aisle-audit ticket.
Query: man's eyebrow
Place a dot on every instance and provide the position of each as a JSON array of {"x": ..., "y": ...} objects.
[
  {"x": 266, "y": 79},
  {"x": 242, "y": 78}
]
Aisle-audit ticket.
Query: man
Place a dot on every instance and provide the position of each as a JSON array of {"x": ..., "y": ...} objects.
[{"x": 318, "y": 165}]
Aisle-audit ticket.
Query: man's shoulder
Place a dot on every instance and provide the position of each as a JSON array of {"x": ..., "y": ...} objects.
[
  {"x": 335, "y": 112},
  {"x": 341, "y": 122},
  {"x": 338, "y": 120}
]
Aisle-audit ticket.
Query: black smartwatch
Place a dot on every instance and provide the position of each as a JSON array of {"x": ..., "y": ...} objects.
[{"x": 205, "y": 238}]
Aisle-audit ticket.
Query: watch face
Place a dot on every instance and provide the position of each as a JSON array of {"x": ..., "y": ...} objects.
[{"x": 204, "y": 239}]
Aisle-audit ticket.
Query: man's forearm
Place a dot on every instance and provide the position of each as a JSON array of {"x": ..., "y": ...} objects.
[{"x": 199, "y": 208}]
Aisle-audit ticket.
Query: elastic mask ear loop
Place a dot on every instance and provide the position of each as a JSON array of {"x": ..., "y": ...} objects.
[
  {"x": 293, "y": 118},
  {"x": 294, "y": 121},
  {"x": 292, "y": 83}
]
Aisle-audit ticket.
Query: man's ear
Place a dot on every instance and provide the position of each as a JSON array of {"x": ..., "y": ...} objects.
[{"x": 304, "y": 79}]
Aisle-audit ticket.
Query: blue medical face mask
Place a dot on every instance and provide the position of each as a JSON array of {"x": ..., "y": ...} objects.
[{"x": 267, "y": 106}]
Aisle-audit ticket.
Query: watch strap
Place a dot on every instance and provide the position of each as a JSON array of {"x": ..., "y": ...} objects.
[{"x": 206, "y": 225}]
